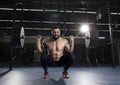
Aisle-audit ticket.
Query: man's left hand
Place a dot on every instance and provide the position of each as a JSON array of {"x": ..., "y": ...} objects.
[{"x": 71, "y": 38}]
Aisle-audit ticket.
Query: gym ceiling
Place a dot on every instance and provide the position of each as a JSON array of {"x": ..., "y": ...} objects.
[{"x": 39, "y": 16}]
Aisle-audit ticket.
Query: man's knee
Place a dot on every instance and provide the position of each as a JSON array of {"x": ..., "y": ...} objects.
[
  {"x": 71, "y": 57},
  {"x": 43, "y": 56}
]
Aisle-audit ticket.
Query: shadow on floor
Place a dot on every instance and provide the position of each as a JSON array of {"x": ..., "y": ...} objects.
[
  {"x": 4, "y": 73},
  {"x": 58, "y": 82}
]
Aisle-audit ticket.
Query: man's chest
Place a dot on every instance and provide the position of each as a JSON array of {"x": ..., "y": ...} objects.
[{"x": 56, "y": 45}]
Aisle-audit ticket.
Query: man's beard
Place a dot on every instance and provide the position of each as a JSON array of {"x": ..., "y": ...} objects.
[{"x": 55, "y": 38}]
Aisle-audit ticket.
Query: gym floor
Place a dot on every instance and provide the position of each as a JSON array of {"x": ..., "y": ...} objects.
[{"x": 101, "y": 75}]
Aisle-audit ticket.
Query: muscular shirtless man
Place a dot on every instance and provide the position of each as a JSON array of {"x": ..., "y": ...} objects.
[{"x": 52, "y": 51}]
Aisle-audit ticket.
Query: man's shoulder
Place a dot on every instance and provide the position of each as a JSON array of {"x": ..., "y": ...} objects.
[
  {"x": 64, "y": 39},
  {"x": 45, "y": 40}
]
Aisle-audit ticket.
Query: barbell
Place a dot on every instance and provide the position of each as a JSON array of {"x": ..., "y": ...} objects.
[{"x": 90, "y": 38}]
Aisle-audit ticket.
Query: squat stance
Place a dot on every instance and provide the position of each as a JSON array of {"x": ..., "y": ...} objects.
[{"x": 56, "y": 50}]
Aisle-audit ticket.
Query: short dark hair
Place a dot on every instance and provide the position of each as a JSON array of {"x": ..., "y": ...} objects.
[{"x": 57, "y": 27}]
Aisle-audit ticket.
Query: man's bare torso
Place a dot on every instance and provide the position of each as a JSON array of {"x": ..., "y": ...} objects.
[{"x": 56, "y": 47}]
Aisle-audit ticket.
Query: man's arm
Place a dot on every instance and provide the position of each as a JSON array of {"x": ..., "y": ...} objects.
[
  {"x": 38, "y": 44},
  {"x": 71, "y": 43},
  {"x": 70, "y": 46}
]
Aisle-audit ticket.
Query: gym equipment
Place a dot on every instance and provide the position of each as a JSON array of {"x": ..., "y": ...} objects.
[
  {"x": 22, "y": 37},
  {"x": 91, "y": 38}
]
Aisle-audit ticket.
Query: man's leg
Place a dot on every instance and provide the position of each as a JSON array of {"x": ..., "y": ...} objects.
[
  {"x": 69, "y": 59},
  {"x": 44, "y": 59},
  {"x": 66, "y": 60}
]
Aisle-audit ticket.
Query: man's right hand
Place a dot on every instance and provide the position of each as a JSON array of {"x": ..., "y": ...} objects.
[{"x": 39, "y": 37}]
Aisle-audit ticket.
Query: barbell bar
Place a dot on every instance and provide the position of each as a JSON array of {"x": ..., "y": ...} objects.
[{"x": 89, "y": 38}]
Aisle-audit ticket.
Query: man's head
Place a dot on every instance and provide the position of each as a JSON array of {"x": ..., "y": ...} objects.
[{"x": 56, "y": 33}]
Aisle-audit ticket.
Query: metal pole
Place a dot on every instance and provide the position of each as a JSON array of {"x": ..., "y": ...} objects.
[
  {"x": 64, "y": 18},
  {"x": 59, "y": 13},
  {"x": 12, "y": 39},
  {"x": 87, "y": 54},
  {"x": 111, "y": 34}
]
